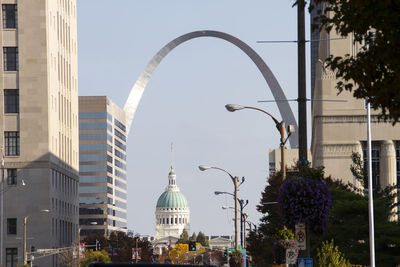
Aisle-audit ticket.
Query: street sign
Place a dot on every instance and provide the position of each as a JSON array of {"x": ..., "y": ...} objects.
[
  {"x": 305, "y": 262},
  {"x": 231, "y": 249},
  {"x": 291, "y": 256},
  {"x": 300, "y": 235}
]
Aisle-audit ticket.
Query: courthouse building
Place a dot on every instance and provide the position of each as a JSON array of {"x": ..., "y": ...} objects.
[
  {"x": 102, "y": 166},
  {"x": 340, "y": 128},
  {"x": 39, "y": 127}
]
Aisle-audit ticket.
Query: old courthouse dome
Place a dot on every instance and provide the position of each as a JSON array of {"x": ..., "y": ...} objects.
[{"x": 172, "y": 210}]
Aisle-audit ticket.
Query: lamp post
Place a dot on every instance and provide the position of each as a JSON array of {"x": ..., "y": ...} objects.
[
  {"x": 245, "y": 215},
  {"x": 242, "y": 204},
  {"x": 25, "y": 221},
  {"x": 279, "y": 125},
  {"x": 235, "y": 184}
]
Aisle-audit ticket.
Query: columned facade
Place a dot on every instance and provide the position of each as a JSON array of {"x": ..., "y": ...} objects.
[{"x": 340, "y": 128}]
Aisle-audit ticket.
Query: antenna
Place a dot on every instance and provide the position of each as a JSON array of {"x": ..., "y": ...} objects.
[{"x": 172, "y": 154}]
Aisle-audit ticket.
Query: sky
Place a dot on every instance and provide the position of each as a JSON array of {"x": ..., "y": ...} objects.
[{"x": 184, "y": 101}]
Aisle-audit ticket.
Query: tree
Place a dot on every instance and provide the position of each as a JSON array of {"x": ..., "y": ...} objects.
[
  {"x": 193, "y": 237},
  {"x": 201, "y": 238},
  {"x": 330, "y": 256},
  {"x": 184, "y": 237},
  {"x": 97, "y": 256},
  {"x": 179, "y": 253},
  {"x": 374, "y": 72},
  {"x": 119, "y": 246},
  {"x": 260, "y": 240}
]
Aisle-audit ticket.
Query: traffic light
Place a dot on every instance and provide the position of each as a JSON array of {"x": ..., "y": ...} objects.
[
  {"x": 225, "y": 253},
  {"x": 98, "y": 245},
  {"x": 192, "y": 246}
]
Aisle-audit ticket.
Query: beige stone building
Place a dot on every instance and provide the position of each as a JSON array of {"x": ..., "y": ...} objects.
[
  {"x": 291, "y": 158},
  {"x": 102, "y": 166},
  {"x": 339, "y": 128},
  {"x": 39, "y": 127}
]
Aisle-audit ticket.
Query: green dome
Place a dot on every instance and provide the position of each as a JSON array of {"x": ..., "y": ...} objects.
[{"x": 172, "y": 199}]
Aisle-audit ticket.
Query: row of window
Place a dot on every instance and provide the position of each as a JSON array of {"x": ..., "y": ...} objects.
[
  {"x": 64, "y": 183},
  {"x": 173, "y": 220},
  {"x": 63, "y": 208}
]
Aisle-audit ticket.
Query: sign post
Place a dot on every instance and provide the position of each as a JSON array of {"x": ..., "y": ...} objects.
[{"x": 300, "y": 235}]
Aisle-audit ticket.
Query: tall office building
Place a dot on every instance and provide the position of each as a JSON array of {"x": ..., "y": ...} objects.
[
  {"x": 102, "y": 161},
  {"x": 39, "y": 127},
  {"x": 340, "y": 128}
]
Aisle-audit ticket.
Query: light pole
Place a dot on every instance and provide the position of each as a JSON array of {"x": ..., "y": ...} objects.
[
  {"x": 235, "y": 184},
  {"x": 244, "y": 230},
  {"x": 242, "y": 204},
  {"x": 279, "y": 125},
  {"x": 25, "y": 221}
]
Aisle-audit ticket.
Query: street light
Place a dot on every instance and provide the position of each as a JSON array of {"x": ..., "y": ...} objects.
[
  {"x": 279, "y": 125},
  {"x": 79, "y": 241},
  {"x": 25, "y": 221},
  {"x": 235, "y": 184}
]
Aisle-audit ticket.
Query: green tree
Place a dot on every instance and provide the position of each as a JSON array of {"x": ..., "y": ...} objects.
[
  {"x": 374, "y": 72},
  {"x": 330, "y": 256},
  {"x": 184, "y": 237},
  {"x": 260, "y": 240},
  {"x": 97, "y": 256},
  {"x": 193, "y": 237},
  {"x": 119, "y": 245},
  {"x": 348, "y": 223},
  {"x": 201, "y": 238}
]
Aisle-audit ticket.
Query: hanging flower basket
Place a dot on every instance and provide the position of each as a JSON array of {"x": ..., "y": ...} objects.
[{"x": 305, "y": 200}]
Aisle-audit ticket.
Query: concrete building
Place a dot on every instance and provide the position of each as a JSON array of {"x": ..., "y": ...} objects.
[
  {"x": 102, "y": 166},
  {"x": 291, "y": 158},
  {"x": 340, "y": 128},
  {"x": 39, "y": 127}
]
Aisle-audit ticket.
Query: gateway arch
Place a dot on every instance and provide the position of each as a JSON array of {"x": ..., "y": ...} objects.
[{"x": 137, "y": 90}]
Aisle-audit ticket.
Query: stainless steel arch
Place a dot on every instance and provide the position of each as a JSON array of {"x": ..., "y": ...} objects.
[{"x": 137, "y": 90}]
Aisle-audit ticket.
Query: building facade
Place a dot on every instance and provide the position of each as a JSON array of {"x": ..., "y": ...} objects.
[
  {"x": 39, "y": 127},
  {"x": 291, "y": 158},
  {"x": 102, "y": 166},
  {"x": 340, "y": 128}
]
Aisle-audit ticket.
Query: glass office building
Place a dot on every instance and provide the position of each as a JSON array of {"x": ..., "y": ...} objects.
[{"x": 102, "y": 166}]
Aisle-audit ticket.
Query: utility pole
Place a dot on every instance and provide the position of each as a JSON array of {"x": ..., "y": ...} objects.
[
  {"x": 302, "y": 99},
  {"x": 302, "y": 94}
]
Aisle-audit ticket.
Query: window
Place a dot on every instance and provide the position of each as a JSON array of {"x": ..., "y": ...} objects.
[
  {"x": 11, "y": 100},
  {"x": 11, "y": 140},
  {"x": 10, "y": 16},
  {"x": 11, "y": 257},
  {"x": 12, "y": 226},
  {"x": 10, "y": 57},
  {"x": 375, "y": 155},
  {"x": 11, "y": 176}
]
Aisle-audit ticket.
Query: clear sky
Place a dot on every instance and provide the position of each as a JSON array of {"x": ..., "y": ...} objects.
[{"x": 184, "y": 100}]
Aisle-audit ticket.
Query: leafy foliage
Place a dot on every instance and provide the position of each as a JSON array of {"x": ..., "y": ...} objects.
[
  {"x": 178, "y": 253},
  {"x": 95, "y": 256},
  {"x": 305, "y": 200},
  {"x": 374, "y": 72},
  {"x": 184, "y": 237},
  {"x": 330, "y": 256},
  {"x": 119, "y": 246},
  {"x": 201, "y": 238}
]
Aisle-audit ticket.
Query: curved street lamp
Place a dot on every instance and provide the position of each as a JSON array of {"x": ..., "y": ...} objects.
[
  {"x": 279, "y": 125},
  {"x": 25, "y": 221},
  {"x": 235, "y": 180}
]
